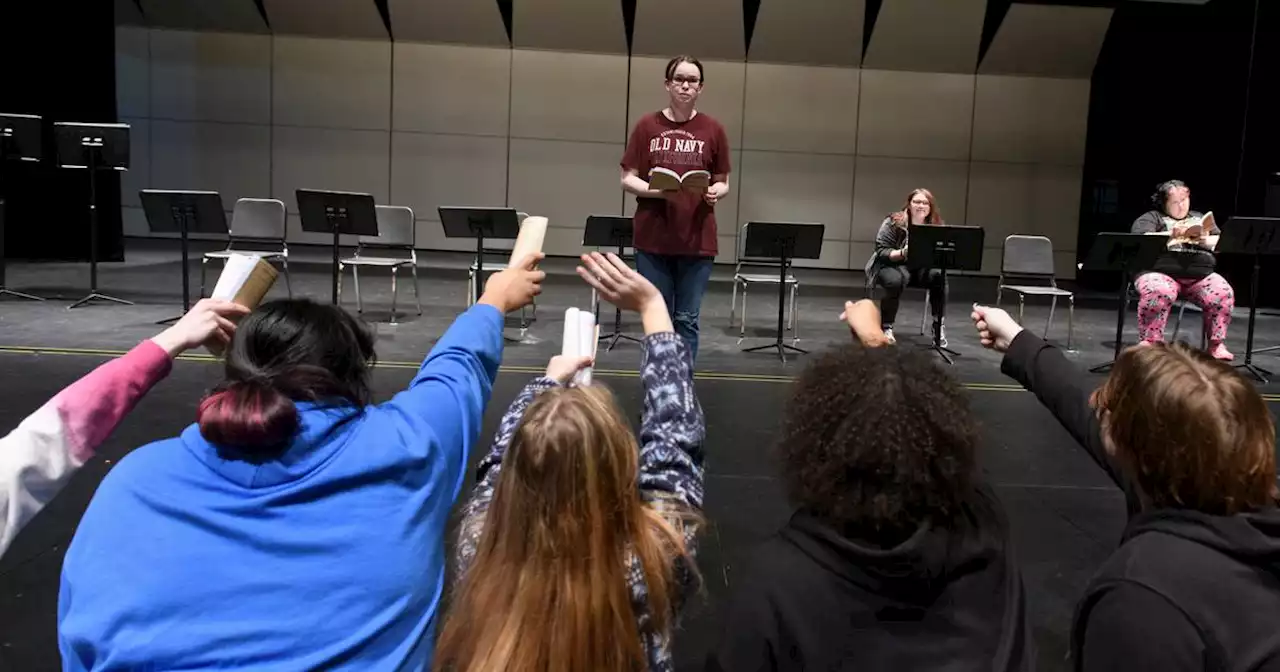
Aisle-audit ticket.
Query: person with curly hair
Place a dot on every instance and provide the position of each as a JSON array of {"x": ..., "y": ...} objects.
[{"x": 898, "y": 555}]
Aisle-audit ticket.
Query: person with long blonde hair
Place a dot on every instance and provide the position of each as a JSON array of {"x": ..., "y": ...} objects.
[{"x": 576, "y": 550}]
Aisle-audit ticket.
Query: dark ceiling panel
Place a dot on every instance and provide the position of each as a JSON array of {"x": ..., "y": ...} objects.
[
  {"x": 1047, "y": 41},
  {"x": 240, "y": 16},
  {"x": 326, "y": 18},
  {"x": 474, "y": 22},
  {"x": 926, "y": 36},
  {"x": 569, "y": 25},
  {"x": 811, "y": 32}
]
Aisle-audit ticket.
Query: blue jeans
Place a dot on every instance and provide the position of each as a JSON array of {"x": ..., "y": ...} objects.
[{"x": 682, "y": 280}]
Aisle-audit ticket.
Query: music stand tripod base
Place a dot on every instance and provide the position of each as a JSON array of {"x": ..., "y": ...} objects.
[
  {"x": 782, "y": 349},
  {"x": 947, "y": 354},
  {"x": 21, "y": 295},
  {"x": 96, "y": 296}
]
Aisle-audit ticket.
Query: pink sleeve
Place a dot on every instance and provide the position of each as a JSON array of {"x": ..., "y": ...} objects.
[
  {"x": 45, "y": 449},
  {"x": 91, "y": 407}
]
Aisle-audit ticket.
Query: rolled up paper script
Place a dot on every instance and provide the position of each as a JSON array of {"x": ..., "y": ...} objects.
[
  {"x": 580, "y": 338},
  {"x": 532, "y": 232},
  {"x": 245, "y": 280}
]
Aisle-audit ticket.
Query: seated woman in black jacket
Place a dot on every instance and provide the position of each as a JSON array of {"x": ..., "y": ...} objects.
[
  {"x": 898, "y": 555},
  {"x": 1195, "y": 583},
  {"x": 887, "y": 267}
]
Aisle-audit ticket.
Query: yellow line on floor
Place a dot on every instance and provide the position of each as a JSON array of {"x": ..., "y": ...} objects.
[{"x": 532, "y": 370}]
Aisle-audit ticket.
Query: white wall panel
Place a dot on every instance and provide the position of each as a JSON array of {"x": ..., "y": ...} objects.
[
  {"x": 917, "y": 115},
  {"x": 133, "y": 222},
  {"x": 1030, "y": 119},
  {"x": 563, "y": 242},
  {"x": 1000, "y": 200},
  {"x": 139, "y": 174},
  {"x": 232, "y": 159},
  {"x": 428, "y": 171},
  {"x": 801, "y": 108},
  {"x": 1047, "y": 41},
  {"x": 431, "y": 237},
  {"x": 133, "y": 71},
  {"x": 332, "y": 83},
  {"x": 358, "y": 19},
  {"x": 722, "y": 94},
  {"x": 564, "y": 181},
  {"x": 476, "y": 22},
  {"x": 727, "y": 248},
  {"x": 443, "y": 88},
  {"x": 859, "y": 253},
  {"x": 543, "y": 84},
  {"x": 340, "y": 160},
  {"x": 785, "y": 187},
  {"x": 1055, "y": 192},
  {"x": 882, "y": 185},
  {"x": 210, "y": 76}
]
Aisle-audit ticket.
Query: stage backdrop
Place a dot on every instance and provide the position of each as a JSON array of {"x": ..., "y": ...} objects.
[{"x": 835, "y": 111}]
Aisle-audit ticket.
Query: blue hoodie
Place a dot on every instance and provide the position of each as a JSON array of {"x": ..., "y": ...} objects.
[{"x": 328, "y": 557}]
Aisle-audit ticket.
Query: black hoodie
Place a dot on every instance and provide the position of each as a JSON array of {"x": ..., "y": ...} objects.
[
  {"x": 1185, "y": 590},
  {"x": 811, "y": 599}
]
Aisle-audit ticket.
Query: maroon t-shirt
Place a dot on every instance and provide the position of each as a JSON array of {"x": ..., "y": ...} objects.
[{"x": 684, "y": 224}]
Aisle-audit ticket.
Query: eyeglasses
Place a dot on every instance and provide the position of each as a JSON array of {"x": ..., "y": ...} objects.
[
  {"x": 919, "y": 202},
  {"x": 691, "y": 81}
]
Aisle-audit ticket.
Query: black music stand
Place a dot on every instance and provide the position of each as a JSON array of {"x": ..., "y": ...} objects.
[
  {"x": 20, "y": 138},
  {"x": 944, "y": 248},
  {"x": 93, "y": 147},
  {"x": 605, "y": 231},
  {"x": 480, "y": 224},
  {"x": 1256, "y": 237},
  {"x": 784, "y": 241},
  {"x": 1127, "y": 253},
  {"x": 337, "y": 213},
  {"x": 183, "y": 212}
]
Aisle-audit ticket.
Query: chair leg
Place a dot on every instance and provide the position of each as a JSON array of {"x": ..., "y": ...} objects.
[
  {"x": 924, "y": 313},
  {"x": 341, "y": 268},
  {"x": 1177, "y": 323},
  {"x": 1071, "y": 319},
  {"x": 1022, "y": 304},
  {"x": 204, "y": 263},
  {"x": 999, "y": 294},
  {"x": 733, "y": 302},
  {"x": 355, "y": 273},
  {"x": 1053, "y": 304},
  {"x": 288, "y": 283},
  {"x": 471, "y": 288},
  {"x": 743, "y": 332},
  {"x": 791, "y": 310},
  {"x": 417, "y": 295},
  {"x": 393, "y": 295},
  {"x": 795, "y": 315}
]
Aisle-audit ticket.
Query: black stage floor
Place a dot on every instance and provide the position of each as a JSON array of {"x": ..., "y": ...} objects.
[{"x": 1066, "y": 516}]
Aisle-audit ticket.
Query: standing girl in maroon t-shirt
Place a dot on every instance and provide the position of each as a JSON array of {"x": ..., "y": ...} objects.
[{"x": 675, "y": 230}]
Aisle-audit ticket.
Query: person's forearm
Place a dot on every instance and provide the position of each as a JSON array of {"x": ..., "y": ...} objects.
[
  {"x": 633, "y": 184},
  {"x": 655, "y": 318}
]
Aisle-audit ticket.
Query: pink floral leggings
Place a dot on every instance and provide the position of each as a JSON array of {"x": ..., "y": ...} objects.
[{"x": 1157, "y": 292}]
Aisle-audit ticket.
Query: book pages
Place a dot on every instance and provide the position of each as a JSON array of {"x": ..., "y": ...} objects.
[{"x": 580, "y": 339}]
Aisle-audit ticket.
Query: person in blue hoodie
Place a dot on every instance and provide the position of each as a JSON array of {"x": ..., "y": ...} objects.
[{"x": 296, "y": 526}]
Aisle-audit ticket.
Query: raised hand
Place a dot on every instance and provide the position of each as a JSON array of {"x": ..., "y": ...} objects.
[
  {"x": 209, "y": 321},
  {"x": 618, "y": 283},
  {"x": 562, "y": 368},
  {"x": 863, "y": 319},
  {"x": 514, "y": 288},
  {"x": 622, "y": 286},
  {"x": 996, "y": 329}
]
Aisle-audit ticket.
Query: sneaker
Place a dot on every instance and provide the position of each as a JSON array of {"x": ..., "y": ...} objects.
[
  {"x": 1219, "y": 352},
  {"x": 888, "y": 334},
  {"x": 940, "y": 333}
]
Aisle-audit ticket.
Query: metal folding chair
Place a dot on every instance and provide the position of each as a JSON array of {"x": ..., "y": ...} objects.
[
  {"x": 255, "y": 223},
  {"x": 393, "y": 248}
]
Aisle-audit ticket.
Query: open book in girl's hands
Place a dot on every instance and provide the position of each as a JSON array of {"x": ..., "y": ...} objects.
[
  {"x": 664, "y": 179},
  {"x": 581, "y": 334}
]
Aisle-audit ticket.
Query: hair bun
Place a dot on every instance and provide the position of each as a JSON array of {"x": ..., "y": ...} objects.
[{"x": 248, "y": 414}]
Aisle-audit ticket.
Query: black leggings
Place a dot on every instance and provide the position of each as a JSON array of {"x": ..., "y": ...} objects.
[{"x": 894, "y": 279}]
